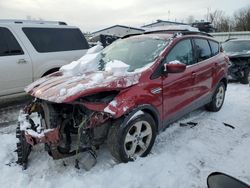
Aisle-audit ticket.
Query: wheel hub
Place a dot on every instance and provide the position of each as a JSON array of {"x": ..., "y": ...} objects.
[{"x": 138, "y": 139}]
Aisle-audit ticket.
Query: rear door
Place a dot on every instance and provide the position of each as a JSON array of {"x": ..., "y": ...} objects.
[
  {"x": 15, "y": 64},
  {"x": 178, "y": 87},
  {"x": 203, "y": 68}
]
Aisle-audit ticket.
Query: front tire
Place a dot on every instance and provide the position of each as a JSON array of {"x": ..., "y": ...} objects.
[
  {"x": 217, "y": 99},
  {"x": 133, "y": 140},
  {"x": 244, "y": 79}
]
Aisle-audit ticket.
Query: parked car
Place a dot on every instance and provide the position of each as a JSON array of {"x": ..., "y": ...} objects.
[
  {"x": 238, "y": 51},
  {"x": 32, "y": 49},
  {"x": 125, "y": 94},
  {"x": 222, "y": 180}
]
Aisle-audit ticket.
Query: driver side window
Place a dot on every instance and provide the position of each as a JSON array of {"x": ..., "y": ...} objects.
[{"x": 182, "y": 52}]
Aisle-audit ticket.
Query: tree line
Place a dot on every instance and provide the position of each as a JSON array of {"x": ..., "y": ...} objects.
[{"x": 239, "y": 21}]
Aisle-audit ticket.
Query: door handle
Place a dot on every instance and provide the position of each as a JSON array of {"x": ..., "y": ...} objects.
[
  {"x": 193, "y": 74},
  {"x": 21, "y": 61}
]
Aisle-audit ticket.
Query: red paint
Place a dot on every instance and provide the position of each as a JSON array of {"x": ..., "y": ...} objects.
[
  {"x": 177, "y": 90},
  {"x": 50, "y": 137}
]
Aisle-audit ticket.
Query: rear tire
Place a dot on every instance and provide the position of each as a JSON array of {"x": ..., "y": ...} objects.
[
  {"x": 133, "y": 140},
  {"x": 217, "y": 99}
]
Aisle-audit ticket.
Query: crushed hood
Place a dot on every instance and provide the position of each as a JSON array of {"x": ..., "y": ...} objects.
[{"x": 61, "y": 87}]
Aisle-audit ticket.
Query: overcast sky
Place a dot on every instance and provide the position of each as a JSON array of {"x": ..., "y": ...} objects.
[{"x": 91, "y": 15}]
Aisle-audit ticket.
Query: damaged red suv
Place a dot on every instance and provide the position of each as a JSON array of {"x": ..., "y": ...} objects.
[{"x": 124, "y": 94}]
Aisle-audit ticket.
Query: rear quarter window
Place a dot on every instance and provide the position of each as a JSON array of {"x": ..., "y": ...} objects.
[
  {"x": 202, "y": 49},
  {"x": 215, "y": 47},
  {"x": 56, "y": 39}
]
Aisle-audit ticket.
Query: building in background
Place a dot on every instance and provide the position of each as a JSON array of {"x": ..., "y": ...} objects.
[
  {"x": 162, "y": 23},
  {"x": 118, "y": 30}
]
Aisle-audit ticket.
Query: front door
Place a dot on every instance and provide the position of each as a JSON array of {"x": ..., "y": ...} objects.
[
  {"x": 178, "y": 87},
  {"x": 15, "y": 64}
]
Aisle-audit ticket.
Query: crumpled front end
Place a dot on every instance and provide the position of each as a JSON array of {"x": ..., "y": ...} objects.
[{"x": 65, "y": 129}]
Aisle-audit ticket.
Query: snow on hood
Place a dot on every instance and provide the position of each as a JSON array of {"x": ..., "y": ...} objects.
[
  {"x": 60, "y": 87},
  {"x": 66, "y": 89},
  {"x": 82, "y": 77},
  {"x": 88, "y": 63}
]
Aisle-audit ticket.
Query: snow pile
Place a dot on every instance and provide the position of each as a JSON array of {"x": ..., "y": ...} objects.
[
  {"x": 87, "y": 63},
  {"x": 95, "y": 49},
  {"x": 118, "y": 68},
  {"x": 90, "y": 63},
  {"x": 182, "y": 157}
]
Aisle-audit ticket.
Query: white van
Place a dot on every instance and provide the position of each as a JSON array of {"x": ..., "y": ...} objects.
[{"x": 32, "y": 49}]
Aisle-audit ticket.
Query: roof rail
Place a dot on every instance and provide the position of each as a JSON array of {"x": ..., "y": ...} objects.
[
  {"x": 183, "y": 32},
  {"x": 130, "y": 35},
  {"x": 195, "y": 33},
  {"x": 174, "y": 32},
  {"x": 32, "y": 22}
]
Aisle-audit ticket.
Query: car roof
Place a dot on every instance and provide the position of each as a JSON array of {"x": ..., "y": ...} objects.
[{"x": 35, "y": 23}]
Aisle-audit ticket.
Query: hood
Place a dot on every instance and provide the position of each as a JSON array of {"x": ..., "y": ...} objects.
[
  {"x": 60, "y": 87},
  {"x": 238, "y": 54}
]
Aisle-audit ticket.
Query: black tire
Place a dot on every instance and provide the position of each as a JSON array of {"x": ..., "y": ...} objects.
[
  {"x": 212, "y": 106},
  {"x": 23, "y": 148},
  {"x": 117, "y": 135},
  {"x": 244, "y": 79}
]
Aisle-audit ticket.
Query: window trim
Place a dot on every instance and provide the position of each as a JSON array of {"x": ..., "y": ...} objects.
[
  {"x": 190, "y": 39},
  {"x": 209, "y": 42},
  {"x": 2, "y": 28},
  {"x": 198, "y": 63},
  {"x": 158, "y": 71}
]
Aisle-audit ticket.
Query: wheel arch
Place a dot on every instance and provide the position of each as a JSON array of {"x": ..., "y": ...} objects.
[
  {"x": 147, "y": 109},
  {"x": 224, "y": 81},
  {"x": 50, "y": 71}
]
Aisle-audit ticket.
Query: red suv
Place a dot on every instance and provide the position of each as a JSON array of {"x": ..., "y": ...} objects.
[{"x": 125, "y": 94}]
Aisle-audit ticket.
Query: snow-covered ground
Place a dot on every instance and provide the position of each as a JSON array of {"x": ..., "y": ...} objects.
[{"x": 182, "y": 157}]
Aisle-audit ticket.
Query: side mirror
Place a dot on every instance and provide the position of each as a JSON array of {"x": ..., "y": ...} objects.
[
  {"x": 220, "y": 180},
  {"x": 174, "y": 67}
]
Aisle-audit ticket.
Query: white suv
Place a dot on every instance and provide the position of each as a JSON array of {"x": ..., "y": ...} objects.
[{"x": 32, "y": 49}]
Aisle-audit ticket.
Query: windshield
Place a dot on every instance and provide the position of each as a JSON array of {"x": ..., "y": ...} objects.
[
  {"x": 237, "y": 46},
  {"x": 136, "y": 52}
]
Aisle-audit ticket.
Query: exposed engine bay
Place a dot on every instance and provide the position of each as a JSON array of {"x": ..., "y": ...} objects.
[
  {"x": 65, "y": 129},
  {"x": 239, "y": 68}
]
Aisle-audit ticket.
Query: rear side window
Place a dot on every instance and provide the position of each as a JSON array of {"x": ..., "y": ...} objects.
[
  {"x": 182, "y": 52},
  {"x": 56, "y": 39},
  {"x": 8, "y": 43},
  {"x": 202, "y": 49},
  {"x": 215, "y": 47}
]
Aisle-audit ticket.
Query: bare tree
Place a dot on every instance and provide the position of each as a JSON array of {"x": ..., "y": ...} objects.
[
  {"x": 221, "y": 22},
  {"x": 242, "y": 19}
]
